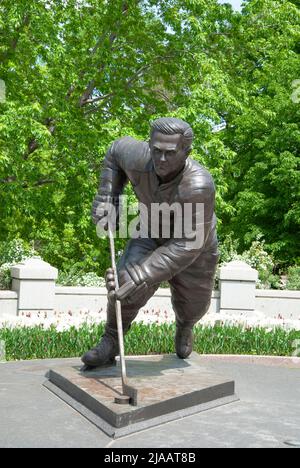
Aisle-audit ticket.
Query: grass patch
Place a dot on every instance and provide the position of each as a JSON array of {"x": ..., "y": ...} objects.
[{"x": 39, "y": 343}]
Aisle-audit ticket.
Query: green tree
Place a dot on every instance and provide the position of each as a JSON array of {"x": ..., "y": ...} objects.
[
  {"x": 265, "y": 135},
  {"x": 80, "y": 74}
]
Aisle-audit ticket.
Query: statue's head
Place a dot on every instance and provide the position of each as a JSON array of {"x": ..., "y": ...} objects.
[{"x": 170, "y": 144}]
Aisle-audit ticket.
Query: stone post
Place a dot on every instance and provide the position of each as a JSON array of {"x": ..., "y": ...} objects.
[
  {"x": 237, "y": 287},
  {"x": 34, "y": 281}
]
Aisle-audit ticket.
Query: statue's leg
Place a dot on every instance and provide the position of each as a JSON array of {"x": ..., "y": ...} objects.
[
  {"x": 105, "y": 352},
  {"x": 191, "y": 296}
]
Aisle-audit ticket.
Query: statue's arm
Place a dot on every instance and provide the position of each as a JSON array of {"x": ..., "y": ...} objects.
[{"x": 113, "y": 179}]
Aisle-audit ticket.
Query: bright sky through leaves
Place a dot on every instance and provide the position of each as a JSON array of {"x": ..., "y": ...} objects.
[{"x": 236, "y": 4}]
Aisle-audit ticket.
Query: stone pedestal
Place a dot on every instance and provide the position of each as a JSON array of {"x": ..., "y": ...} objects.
[
  {"x": 168, "y": 389},
  {"x": 34, "y": 282},
  {"x": 237, "y": 287}
]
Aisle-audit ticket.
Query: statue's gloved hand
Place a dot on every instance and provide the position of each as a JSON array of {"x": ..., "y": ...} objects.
[
  {"x": 110, "y": 285},
  {"x": 128, "y": 288},
  {"x": 106, "y": 207},
  {"x": 138, "y": 274},
  {"x": 136, "y": 286}
]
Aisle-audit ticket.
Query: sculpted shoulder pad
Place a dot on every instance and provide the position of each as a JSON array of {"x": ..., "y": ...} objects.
[
  {"x": 197, "y": 183},
  {"x": 132, "y": 155}
]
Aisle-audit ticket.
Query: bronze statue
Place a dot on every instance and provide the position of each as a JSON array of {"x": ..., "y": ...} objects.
[{"x": 159, "y": 171}]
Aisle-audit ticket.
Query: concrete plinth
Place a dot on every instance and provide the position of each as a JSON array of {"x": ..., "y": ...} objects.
[
  {"x": 34, "y": 282},
  {"x": 168, "y": 389},
  {"x": 237, "y": 287}
]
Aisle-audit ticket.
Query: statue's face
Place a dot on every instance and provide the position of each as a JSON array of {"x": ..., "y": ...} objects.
[{"x": 168, "y": 154}]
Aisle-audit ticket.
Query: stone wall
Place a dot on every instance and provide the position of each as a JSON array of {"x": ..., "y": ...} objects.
[{"x": 34, "y": 289}]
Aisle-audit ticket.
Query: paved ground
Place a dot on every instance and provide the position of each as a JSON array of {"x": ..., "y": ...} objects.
[{"x": 267, "y": 415}]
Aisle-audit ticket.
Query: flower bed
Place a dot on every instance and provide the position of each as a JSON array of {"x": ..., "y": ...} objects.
[{"x": 36, "y": 342}]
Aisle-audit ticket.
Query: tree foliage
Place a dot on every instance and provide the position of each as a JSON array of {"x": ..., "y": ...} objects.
[
  {"x": 265, "y": 136},
  {"x": 80, "y": 74}
]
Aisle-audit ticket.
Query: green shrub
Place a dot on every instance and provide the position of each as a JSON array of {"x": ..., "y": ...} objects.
[
  {"x": 5, "y": 276},
  {"x": 15, "y": 251},
  {"x": 256, "y": 257},
  {"x": 228, "y": 248},
  {"x": 75, "y": 276},
  {"x": 293, "y": 279},
  {"x": 11, "y": 253},
  {"x": 263, "y": 262}
]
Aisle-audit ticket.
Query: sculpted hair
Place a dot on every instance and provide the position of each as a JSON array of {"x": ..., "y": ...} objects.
[{"x": 172, "y": 126}]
